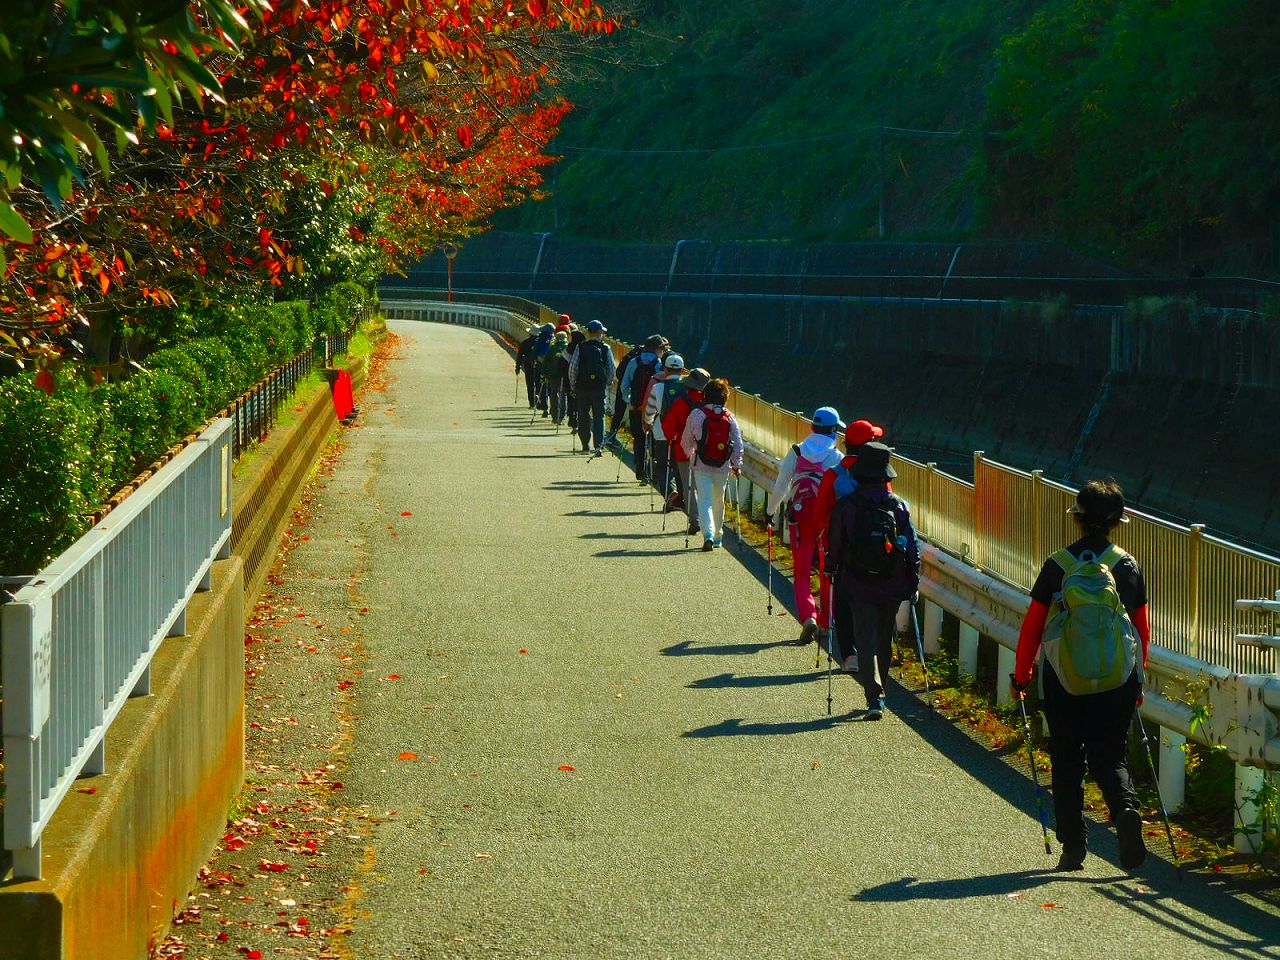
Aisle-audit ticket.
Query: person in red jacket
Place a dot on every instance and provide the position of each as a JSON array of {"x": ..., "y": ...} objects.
[
  {"x": 673, "y": 426},
  {"x": 1089, "y": 729}
]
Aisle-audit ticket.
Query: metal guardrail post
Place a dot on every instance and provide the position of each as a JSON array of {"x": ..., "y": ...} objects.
[
  {"x": 1173, "y": 769},
  {"x": 979, "y": 553},
  {"x": 1193, "y": 589},
  {"x": 1037, "y": 515}
]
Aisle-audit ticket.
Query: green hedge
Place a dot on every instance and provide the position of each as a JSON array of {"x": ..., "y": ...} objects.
[{"x": 66, "y": 453}]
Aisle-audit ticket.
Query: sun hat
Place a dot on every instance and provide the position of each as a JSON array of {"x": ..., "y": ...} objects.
[
  {"x": 873, "y": 462},
  {"x": 655, "y": 343},
  {"x": 673, "y": 363},
  {"x": 826, "y": 417},
  {"x": 860, "y": 432},
  {"x": 595, "y": 326},
  {"x": 697, "y": 379}
]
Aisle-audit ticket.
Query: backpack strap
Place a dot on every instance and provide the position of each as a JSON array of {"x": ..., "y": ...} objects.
[
  {"x": 1065, "y": 559},
  {"x": 1111, "y": 556}
]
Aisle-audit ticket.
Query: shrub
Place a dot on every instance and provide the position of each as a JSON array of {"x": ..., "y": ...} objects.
[{"x": 53, "y": 474}]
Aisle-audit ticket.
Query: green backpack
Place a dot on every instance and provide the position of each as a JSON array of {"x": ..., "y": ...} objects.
[{"x": 1089, "y": 639}]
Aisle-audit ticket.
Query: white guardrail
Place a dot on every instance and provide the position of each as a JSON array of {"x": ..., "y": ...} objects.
[
  {"x": 1191, "y": 699},
  {"x": 79, "y": 636}
]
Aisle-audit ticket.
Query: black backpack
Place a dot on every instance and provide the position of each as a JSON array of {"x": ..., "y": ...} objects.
[
  {"x": 593, "y": 367},
  {"x": 872, "y": 547},
  {"x": 640, "y": 380}
]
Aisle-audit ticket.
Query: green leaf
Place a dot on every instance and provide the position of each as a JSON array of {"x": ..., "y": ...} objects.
[
  {"x": 162, "y": 98},
  {"x": 13, "y": 224},
  {"x": 88, "y": 136}
]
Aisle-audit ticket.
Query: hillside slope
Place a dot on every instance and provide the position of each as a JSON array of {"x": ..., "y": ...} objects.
[{"x": 749, "y": 120}]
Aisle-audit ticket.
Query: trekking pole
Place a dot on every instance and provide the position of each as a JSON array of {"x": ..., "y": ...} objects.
[
  {"x": 831, "y": 639},
  {"x": 537, "y": 402},
  {"x": 1151, "y": 765},
  {"x": 1035, "y": 773},
  {"x": 924, "y": 669},
  {"x": 648, "y": 467},
  {"x": 737, "y": 503},
  {"x": 769, "y": 581},
  {"x": 517, "y": 386},
  {"x": 666, "y": 484}
]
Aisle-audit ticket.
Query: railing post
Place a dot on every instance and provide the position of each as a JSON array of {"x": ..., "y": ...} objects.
[
  {"x": 1005, "y": 661},
  {"x": 1173, "y": 769},
  {"x": 1193, "y": 590},
  {"x": 932, "y": 627},
  {"x": 931, "y": 470},
  {"x": 1037, "y": 516},
  {"x": 1249, "y": 780},
  {"x": 979, "y": 548},
  {"x": 968, "y": 651}
]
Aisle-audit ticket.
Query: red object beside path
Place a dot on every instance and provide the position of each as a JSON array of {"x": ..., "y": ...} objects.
[{"x": 343, "y": 399}]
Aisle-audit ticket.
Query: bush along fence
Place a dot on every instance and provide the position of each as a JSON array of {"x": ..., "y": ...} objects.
[
  {"x": 79, "y": 635},
  {"x": 1212, "y": 676}
]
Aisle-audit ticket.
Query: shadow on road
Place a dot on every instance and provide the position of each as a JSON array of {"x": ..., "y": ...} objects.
[
  {"x": 532, "y": 456},
  {"x": 625, "y": 536},
  {"x": 726, "y": 681},
  {"x": 685, "y": 648},
  {"x": 626, "y": 552},
  {"x": 995, "y": 885},
  {"x": 600, "y": 513},
  {"x": 736, "y": 727}
]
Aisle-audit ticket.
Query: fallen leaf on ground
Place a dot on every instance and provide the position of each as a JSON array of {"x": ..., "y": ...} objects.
[
  {"x": 86, "y": 789},
  {"x": 565, "y": 766},
  {"x": 524, "y": 651},
  {"x": 407, "y": 755},
  {"x": 1050, "y": 906},
  {"x": 484, "y": 856},
  {"x": 406, "y": 513}
]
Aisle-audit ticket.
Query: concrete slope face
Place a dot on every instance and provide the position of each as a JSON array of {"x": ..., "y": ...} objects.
[{"x": 619, "y": 755}]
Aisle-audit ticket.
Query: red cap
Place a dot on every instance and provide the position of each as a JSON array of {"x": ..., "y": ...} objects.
[{"x": 860, "y": 432}]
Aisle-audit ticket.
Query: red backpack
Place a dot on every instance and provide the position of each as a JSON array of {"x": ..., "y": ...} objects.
[
  {"x": 716, "y": 443},
  {"x": 804, "y": 487}
]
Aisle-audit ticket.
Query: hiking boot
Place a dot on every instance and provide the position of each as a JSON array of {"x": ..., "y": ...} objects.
[
  {"x": 874, "y": 713},
  {"x": 808, "y": 631},
  {"x": 693, "y": 527},
  {"x": 1072, "y": 857},
  {"x": 707, "y": 546},
  {"x": 850, "y": 664},
  {"x": 1133, "y": 851},
  {"x": 716, "y": 544}
]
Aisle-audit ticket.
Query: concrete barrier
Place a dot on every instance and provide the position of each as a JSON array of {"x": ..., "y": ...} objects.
[{"x": 123, "y": 849}]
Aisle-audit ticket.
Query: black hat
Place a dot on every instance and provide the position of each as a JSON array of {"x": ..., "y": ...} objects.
[
  {"x": 1100, "y": 501},
  {"x": 873, "y": 462},
  {"x": 655, "y": 342}
]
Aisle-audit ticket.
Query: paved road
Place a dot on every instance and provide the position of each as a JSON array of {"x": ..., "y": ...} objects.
[{"x": 618, "y": 755}]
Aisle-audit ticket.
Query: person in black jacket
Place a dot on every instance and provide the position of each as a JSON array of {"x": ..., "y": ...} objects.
[
  {"x": 875, "y": 565},
  {"x": 527, "y": 361}
]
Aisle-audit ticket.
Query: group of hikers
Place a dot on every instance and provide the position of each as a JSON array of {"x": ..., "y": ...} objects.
[{"x": 1087, "y": 628}]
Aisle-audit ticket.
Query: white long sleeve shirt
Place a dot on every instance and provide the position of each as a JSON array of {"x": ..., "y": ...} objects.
[
  {"x": 693, "y": 432},
  {"x": 818, "y": 447}
]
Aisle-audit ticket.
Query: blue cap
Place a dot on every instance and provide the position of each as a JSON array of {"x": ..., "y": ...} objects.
[
  {"x": 595, "y": 326},
  {"x": 826, "y": 418}
]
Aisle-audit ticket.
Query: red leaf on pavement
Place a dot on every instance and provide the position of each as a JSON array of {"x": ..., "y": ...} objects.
[
  {"x": 524, "y": 651},
  {"x": 392, "y": 676},
  {"x": 86, "y": 789},
  {"x": 565, "y": 766},
  {"x": 406, "y": 513},
  {"x": 222, "y": 937},
  {"x": 275, "y": 866},
  {"x": 1050, "y": 906},
  {"x": 408, "y": 755}
]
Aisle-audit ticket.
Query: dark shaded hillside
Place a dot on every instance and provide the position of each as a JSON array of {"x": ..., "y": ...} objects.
[
  {"x": 760, "y": 120},
  {"x": 1144, "y": 132}
]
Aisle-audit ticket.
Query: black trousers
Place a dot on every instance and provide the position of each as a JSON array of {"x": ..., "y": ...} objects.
[
  {"x": 639, "y": 446},
  {"x": 872, "y": 635},
  {"x": 664, "y": 467},
  {"x": 531, "y": 380},
  {"x": 590, "y": 420},
  {"x": 1088, "y": 732},
  {"x": 619, "y": 410}
]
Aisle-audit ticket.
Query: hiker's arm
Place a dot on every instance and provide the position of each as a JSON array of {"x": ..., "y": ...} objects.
[
  {"x": 1142, "y": 623},
  {"x": 1029, "y": 641},
  {"x": 736, "y": 449},
  {"x": 786, "y": 470}
]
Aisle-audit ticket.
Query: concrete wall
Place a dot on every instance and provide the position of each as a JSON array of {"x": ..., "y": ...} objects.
[{"x": 118, "y": 859}]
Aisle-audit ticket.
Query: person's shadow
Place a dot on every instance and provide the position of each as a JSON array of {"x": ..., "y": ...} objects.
[{"x": 993, "y": 885}]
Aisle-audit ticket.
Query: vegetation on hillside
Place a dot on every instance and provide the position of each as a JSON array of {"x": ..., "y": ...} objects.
[{"x": 1143, "y": 130}]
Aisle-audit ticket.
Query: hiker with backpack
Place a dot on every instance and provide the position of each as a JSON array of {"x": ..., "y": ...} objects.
[
  {"x": 551, "y": 374},
  {"x": 634, "y": 384},
  {"x": 1088, "y": 626},
  {"x": 673, "y": 423},
  {"x": 874, "y": 562},
  {"x": 713, "y": 444},
  {"x": 664, "y": 387},
  {"x": 795, "y": 493},
  {"x": 590, "y": 371},
  {"x": 837, "y": 482},
  {"x": 576, "y": 336},
  {"x": 526, "y": 363}
]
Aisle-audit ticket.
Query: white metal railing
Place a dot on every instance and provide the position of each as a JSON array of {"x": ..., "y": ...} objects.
[{"x": 80, "y": 635}]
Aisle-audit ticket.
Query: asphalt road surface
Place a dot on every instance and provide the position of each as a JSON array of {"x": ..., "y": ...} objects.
[{"x": 618, "y": 754}]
